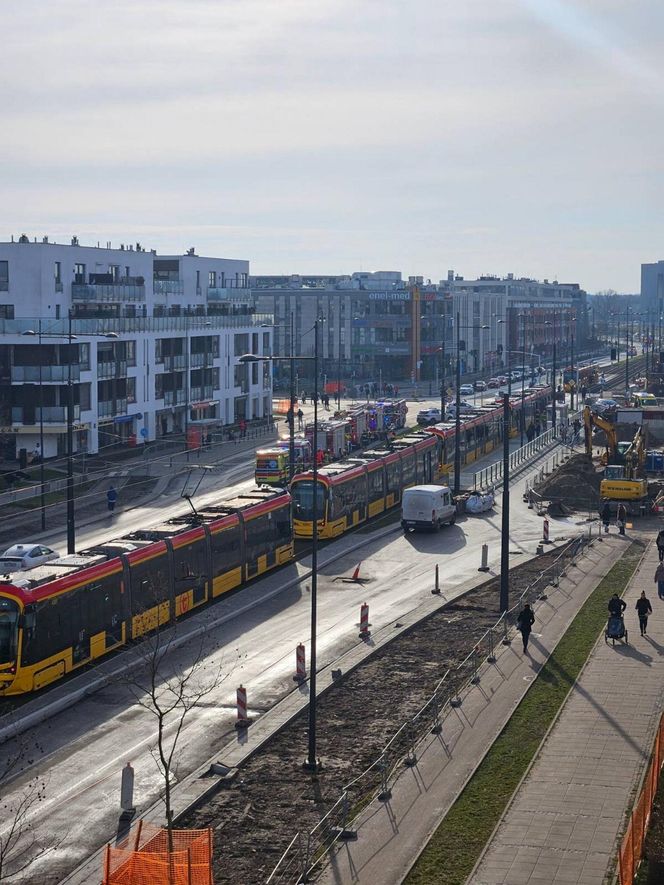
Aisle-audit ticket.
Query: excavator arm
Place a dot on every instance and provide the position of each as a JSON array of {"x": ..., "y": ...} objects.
[{"x": 591, "y": 420}]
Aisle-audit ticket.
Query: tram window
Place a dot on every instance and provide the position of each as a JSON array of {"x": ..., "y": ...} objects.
[
  {"x": 283, "y": 527},
  {"x": 8, "y": 630},
  {"x": 150, "y": 584},
  {"x": 408, "y": 468},
  {"x": 226, "y": 552},
  {"x": 189, "y": 563},
  {"x": 259, "y": 536},
  {"x": 376, "y": 485},
  {"x": 348, "y": 496},
  {"x": 393, "y": 476},
  {"x": 303, "y": 500}
]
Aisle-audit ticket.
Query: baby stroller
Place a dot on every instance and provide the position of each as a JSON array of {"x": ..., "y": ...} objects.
[{"x": 615, "y": 629}]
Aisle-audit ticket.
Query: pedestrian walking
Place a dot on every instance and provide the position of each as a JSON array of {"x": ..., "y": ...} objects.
[
  {"x": 644, "y": 609},
  {"x": 111, "y": 498},
  {"x": 659, "y": 580},
  {"x": 243, "y": 427},
  {"x": 660, "y": 544},
  {"x": 606, "y": 517},
  {"x": 525, "y": 623},
  {"x": 621, "y": 518}
]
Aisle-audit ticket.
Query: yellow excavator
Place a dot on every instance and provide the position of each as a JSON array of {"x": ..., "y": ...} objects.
[{"x": 621, "y": 480}]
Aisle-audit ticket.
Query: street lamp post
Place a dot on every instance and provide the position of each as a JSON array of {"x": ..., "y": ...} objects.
[
  {"x": 627, "y": 354},
  {"x": 523, "y": 377},
  {"x": 311, "y": 763},
  {"x": 505, "y": 522}
]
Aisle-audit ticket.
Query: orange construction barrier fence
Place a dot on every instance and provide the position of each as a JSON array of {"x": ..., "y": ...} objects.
[
  {"x": 143, "y": 858},
  {"x": 631, "y": 847},
  {"x": 281, "y": 406}
]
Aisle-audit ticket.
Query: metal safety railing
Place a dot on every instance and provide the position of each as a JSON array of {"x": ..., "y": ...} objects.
[
  {"x": 306, "y": 850},
  {"x": 493, "y": 474}
]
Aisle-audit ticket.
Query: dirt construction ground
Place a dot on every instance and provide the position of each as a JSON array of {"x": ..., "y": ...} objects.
[{"x": 255, "y": 816}]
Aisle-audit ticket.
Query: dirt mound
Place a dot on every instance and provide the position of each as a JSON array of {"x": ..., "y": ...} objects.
[
  {"x": 575, "y": 484},
  {"x": 557, "y": 508}
]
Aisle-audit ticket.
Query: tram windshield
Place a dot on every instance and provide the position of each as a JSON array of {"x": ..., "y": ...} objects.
[
  {"x": 303, "y": 500},
  {"x": 9, "y": 613}
]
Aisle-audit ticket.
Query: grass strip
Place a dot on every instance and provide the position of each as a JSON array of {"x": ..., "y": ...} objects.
[{"x": 456, "y": 845}]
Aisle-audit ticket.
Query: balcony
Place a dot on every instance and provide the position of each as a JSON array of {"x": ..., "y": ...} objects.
[
  {"x": 110, "y": 408},
  {"x": 175, "y": 397},
  {"x": 114, "y": 292},
  {"x": 52, "y": 374},
  {"x": 200, "y": 394},
  {"x": 51, "y": 414},
  {"x": 168, "y": 287},
  {"x": 114, "y": 369},
  {"x": 229, "y": 293},
  {"x": 201, "y": 359},
  {"x": 175, "y": 361}
]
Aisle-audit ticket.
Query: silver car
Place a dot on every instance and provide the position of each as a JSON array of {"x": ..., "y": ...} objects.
[{"x": 21, "y": 557}]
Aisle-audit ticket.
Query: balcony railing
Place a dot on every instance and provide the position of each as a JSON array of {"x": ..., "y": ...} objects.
[
  {"x": 168, "y": 287},
  {"x": 113, "y": 369},
  {"x": 51, "y": 414},
  {"x": 228, "y": 293},
  {"x": 175, "y": 361},
  {"x": 107, "y": 292},
  {"x": 175, "y": 397},
  {"x": 197, "y": 360},
  {"x": 140, "y": 325},
  {"x": 198, "y": 394},
  {"x": 107, "y": 408},
  {"x": 52, "y": 374}
]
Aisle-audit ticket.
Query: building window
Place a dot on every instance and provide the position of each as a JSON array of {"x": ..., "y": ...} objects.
[
  {"x": 84, "y": 396},
  {"x": 212, "y": 279},
  {"x": 131, "y": 353},
  {"x": 79, "y": 274},
  {"x": 198, "y": 281},
  {"x": 254, "y": 373},
  {"x": 131, "y": 390},
  {"x": 6, "y": 311},
  {"x": 4, "y": 276},
  {"x": 84, "y": 356},
  {"x": 57, "y": 271}
]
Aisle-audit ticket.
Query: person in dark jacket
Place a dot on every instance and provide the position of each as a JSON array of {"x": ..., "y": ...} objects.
[
  {"x": 660, "y": 544},
  {"x": 621, "y": 518},
  {"x": 659, "y": 580},
  {"x": 524, "y": 624},
  {"x": 606, "y": 517},
  {"x": 111, "y": 498},
  {"x": 616, "y": 606},
  {"x": 644, "y": 609}
]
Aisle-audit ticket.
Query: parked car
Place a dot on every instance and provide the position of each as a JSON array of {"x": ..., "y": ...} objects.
[
  {"x": 604, "y": 406},
  {"x": 494, "y": 382},
  {"x": 20, "y": 557},
  {"x": 503, "y": 379},
  {"x": 427, "y": 507},
  {"x": 467, "y": 390},
  {"x": 426, "y": 417},
  {"x": 480, "y": 386},
  {"x": 465, "y": 407}
]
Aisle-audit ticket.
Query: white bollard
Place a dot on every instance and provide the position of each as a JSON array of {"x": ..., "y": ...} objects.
[
  {"x": 127, "y": 792},
  {"x": 485, "y": 559}
]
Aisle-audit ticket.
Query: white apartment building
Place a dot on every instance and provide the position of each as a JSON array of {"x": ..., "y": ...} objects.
[{"x": 148, "y": 342}]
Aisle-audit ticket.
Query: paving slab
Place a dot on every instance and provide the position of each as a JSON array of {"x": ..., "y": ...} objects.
[
  {"x": 392, "y": 834},
  {"x": 590, "y": 764}
]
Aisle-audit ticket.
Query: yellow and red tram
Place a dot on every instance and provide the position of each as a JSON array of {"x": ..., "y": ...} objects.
[{"x": 62, "y": 616}]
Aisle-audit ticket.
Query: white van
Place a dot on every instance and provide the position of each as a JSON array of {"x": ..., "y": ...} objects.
[{"x": 427, "y": 507}]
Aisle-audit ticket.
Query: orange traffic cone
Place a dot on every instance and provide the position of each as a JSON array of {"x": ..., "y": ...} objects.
[{"x": 356, "y": 573}]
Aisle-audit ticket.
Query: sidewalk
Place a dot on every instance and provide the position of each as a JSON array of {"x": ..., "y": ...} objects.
[
  {"x": 392, "y": 834},
  {"x": 564, "y": 822}
]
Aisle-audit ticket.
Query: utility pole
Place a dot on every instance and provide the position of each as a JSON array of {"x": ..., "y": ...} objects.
[
  {"x": 457, "y": 417},
  {"x": 505, "y": 542},
  {"x": 71, "y": 525}
]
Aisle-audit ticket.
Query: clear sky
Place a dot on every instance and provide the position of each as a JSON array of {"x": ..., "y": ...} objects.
[{"x": 339, "y": 135}]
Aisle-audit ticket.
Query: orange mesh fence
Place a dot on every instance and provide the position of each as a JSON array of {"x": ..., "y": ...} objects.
[
  {"x": 143, "y": 858},
  {"x": 631, "y": 848},
  {"x": 281, "y": 406}
]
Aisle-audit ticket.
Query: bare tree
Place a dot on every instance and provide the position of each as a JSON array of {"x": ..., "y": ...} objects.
[
  {"x": 170, "y": 693},
  {"x": 19, "y": 844}
]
